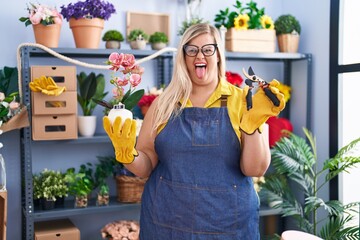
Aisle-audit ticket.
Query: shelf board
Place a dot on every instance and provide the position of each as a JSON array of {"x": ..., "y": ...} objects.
[
  {"x": 69, "y": 210},
  {"x": 276, "y": 56},
  {"x": 79, "y": 140}
]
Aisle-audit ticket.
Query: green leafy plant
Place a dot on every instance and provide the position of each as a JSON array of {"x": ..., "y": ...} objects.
[
  {"x": 78, "y": 182},
  {"x": 9, "y": 80},
  {"x": 135, "y": 33},
  {"x": 286, "y": 24},
  {"x": 113, "y": 35},
  {"x": 248, "y": 17},
  {"x": 103, "y": 169},
  {"x": 49, "y": 184},
  {"x": 296, "y": 160},
  {"x": 90, "y": 86},
  {"x": 186, "y": 24},
  {"x": 158, "y": 37}
]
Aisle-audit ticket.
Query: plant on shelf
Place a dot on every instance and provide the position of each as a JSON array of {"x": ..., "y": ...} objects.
[
  {"x": 80, "y": 185},
  {"x": 148, "y": 98},
  {"x": 186, "y": 24},
  {"x": 247, "y": 17},
  {"x": 295, "y": 159},
  {"x": 288, "y": 31},
  {"x": 41, "y": 14},
  {"x": 113, "y": 39},
  {"x": 158, "y": 40},
  {"x": 49, "y": 186},
  {"x": 137, "y": 38},
  {"x": 103, "y": 170},
  {"x": 86, "y": 20}
]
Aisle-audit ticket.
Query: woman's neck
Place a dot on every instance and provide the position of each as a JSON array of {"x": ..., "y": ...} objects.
[{"x": 201, "y": 93}]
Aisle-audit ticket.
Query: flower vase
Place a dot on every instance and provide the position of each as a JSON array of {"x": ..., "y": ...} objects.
[
  {"x": 48, "y": 35},
  {"x": 2, "y": 174},
  {"x": 87, "y": 32}
]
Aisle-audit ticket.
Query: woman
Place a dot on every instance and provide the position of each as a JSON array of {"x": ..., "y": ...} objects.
[{"x": 199, "y": 146}]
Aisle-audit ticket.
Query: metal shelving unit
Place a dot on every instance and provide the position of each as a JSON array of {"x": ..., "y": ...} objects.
[{"x": 164, "y": 70}]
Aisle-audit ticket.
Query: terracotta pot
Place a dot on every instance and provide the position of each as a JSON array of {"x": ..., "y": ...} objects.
[
  {"x": 87, "y": 32},
  {"x": 47, "y": 35},
  {"x": 288, "y": 42}
]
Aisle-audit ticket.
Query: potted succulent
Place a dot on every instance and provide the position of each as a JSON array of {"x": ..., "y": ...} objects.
[
  {"x": 46, "y": 22},
  {"x": 80, "y": 186},
  {"x": 158, "y": 40},
  {"x": 247, "y": 22},
  {"x": 49, "y": 187},
  {"x": 113, "y": 39},
  {"x": 288, "y": 30},
  {"x": 90, "y": 86},
  {"x": 138, "y": 39},
  {"x": 294, "y": 159},
  {"x": 86, "y": 20}
]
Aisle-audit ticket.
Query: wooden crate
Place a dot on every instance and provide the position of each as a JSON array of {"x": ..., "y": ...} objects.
[
  {"x": 3, "y": 214},
  {"x": 259, "y": 40}
]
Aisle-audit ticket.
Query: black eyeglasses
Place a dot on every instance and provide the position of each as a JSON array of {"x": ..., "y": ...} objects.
[{"x": 192, "y": 50}]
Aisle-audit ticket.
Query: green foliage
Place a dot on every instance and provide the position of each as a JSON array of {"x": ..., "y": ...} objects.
[
  {"x": 294, "y": 158},
  {"x": 186, "y": 24},
  {"x": 79, "y": 183},
  {"x": 226, "y": 17},
  {"x": 158, "y": 37},
  {"x": 136, "y": 33},
  {"x": 103, "y": 169},
  {"x": 90, "y": 86},
  {"x": 287, "y": 24},
  {"x": 113, "y": 35},
  {"x": 9, "y": 80},
  {"x": 49, "y": 184}
]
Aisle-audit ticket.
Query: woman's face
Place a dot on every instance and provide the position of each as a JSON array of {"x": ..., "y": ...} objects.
[{"x": 202, "y": 69}]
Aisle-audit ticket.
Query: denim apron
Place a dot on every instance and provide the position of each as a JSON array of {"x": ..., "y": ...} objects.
[{"x": 197, "y": 190}]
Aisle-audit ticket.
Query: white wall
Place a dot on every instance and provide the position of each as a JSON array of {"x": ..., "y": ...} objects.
[{"x": 313, "y": 16}]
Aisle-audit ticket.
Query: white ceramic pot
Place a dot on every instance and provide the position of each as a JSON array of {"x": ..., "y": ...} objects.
[
  {"x": 158, "y": 46},
  {"x": 87, "y": 125}
]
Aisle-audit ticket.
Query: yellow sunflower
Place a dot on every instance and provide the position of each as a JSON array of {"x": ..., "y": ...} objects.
[
  {"x": 241, "y": 22},
  {"x": 286, "y": 90},
  {"x": 267, "y": 22}
]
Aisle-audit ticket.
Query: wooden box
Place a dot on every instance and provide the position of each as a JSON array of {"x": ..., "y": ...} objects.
[
  {"x": 65, "y": 103},
  {"x": 54, "y": 127},
  {"x": 251, "y": 40},
  {"x": 3, "y": 214},
  {"x": 62, "y": 229},
  {"x": 148, "y": 22},
  {"x": 62, "y": 75}
]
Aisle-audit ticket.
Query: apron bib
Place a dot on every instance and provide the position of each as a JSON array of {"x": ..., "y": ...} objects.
[{"x": 197, "y": 190}]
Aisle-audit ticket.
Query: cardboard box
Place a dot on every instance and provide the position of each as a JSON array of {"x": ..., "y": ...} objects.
[
  {"x": 62, "y": 75},
  {"x": 62, "y": 229},
  {"x": 251, "y": 40},
  {"x": 3, "y": 214},
  {"x": 54, "y": 127},
  {"x": 65, "y": 103}
]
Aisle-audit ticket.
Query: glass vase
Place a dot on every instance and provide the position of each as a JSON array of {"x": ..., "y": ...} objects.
[{"x": 2, "y": 174}]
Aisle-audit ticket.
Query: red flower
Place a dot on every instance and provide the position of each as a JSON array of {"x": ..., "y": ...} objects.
[
  {"x": 276, "y": 129},
  {"x": 234, "y": 78},
  {"x": 146, "y": 100}
]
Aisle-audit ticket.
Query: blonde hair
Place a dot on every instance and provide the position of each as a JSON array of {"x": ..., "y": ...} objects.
[{"x": 180, "y": 86}]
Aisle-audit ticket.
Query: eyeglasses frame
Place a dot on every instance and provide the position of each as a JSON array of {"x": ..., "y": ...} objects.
[{"x": 200, "y": 49}]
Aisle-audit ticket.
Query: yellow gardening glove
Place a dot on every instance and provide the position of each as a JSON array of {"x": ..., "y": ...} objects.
[
  {"x": 262, "y": 109},
  {"x": 123, "y": 138},
  {"x": 46, "y": 85}
]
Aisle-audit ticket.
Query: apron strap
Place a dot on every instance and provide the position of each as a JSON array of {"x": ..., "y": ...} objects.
[{"x": 223, "y": 100}]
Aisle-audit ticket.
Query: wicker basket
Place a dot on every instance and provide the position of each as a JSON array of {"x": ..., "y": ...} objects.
[{"x": 129, "y": 189}]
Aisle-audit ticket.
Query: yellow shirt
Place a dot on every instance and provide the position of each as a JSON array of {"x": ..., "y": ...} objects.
[{"x": 234, "y": 103}]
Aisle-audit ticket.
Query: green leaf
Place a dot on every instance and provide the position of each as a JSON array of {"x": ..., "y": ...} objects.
[{"x": 133, "y": 99}]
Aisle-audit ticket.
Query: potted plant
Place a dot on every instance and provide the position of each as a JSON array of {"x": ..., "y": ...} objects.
[
  {"x": 90, "y": 86},
  {"x": 86, "y": 20},
  {"x": 103, "y": 170},
  {"x": 158, "y": 40},
  {"x": 294, "y": 158},
  {"x": 187, "y": 23},
  {"x": 137, "y": 39},
  {"x": 246, "y": 24},
  {"x": 49, "y": 186},
  {"x": 46, "y": 22},
  {"x": 288, "y": 30},
  {"x": 113, "y": 39},
  {"x": 80, "y": 186}
]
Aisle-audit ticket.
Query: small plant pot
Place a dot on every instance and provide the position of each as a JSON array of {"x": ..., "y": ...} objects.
[
  {"x": 59, "y": 203},
  {"x": 113, "y": 45},
  {"x": 81, "y": 201},
  {"x": 158, "y": 46},
  {"x": 138, "y": 44},
  {"x": 87, "y": 125},
  {"x": 102, "y": 200},
  {"x": 47, "y": 204}
]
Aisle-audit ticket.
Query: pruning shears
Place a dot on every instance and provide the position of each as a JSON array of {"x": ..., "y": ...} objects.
[{"x": 252, "y": 78}]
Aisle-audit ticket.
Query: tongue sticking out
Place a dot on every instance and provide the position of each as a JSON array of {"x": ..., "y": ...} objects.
[{"x": 200, "y": 72}]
